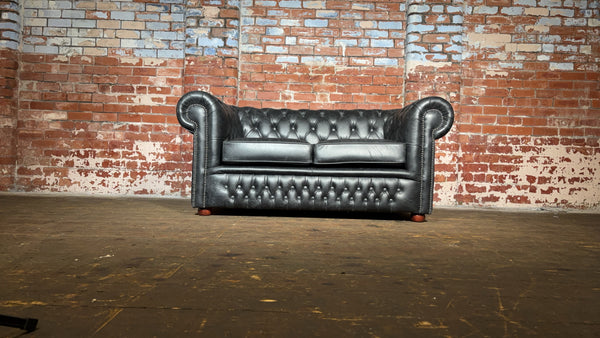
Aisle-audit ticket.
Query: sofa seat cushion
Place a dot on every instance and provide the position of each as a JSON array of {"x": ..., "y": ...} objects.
[
  {"x": 360, "y": 152},
  {"x": 267, "y": 151}
]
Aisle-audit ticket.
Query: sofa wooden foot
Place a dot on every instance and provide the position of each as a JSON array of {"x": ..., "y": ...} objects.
[
  {"x": 203, "y": 212},
  {"x": 417, "y": 217}
]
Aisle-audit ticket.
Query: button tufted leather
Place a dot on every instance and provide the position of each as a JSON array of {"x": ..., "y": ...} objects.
[
  {"x": 313, "y": 126},
  {"x": 358, "y": 181}
]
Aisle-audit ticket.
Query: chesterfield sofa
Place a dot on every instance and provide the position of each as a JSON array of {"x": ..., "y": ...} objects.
[{"x": 323, "y": 160}]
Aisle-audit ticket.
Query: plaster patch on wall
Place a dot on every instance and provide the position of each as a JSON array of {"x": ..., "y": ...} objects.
[
  {"x": 412, "y": 65},
  {"x": 150, "y": 152},
  {"x": 574, "y": 176},
  {"x": 113, "y": 182},
  {"x": 7, "y": 122},
  {"x": 496, "y": 73},
  {"x": 549, "y": 176},
  {"x": 488, "y": 40},
  {"x": 136, "y": 171}
]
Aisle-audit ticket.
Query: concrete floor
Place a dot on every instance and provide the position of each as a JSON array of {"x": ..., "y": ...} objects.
[{"x": 149, "y": 267}]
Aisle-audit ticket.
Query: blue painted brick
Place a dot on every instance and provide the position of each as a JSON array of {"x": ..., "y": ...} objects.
[
  {"x": 59, "y": 22},
  {"x": 210, "y": 42},
  {"x": 290, "y": 22},
  {"x": 287, "y": 59},
  {"x": 277, "y": 12},
  {"x": 385, "y": 43},
  {"x": 266, "y": 3},
  {"x": 390, "y": 25},
  {"x": 346, "y": 42},
  {"x": 327, "y": 14},
  {"x": 276, "y": 49},
  {"x": 376, "y": 34},
  {"x": 231, "y": 42},
  {"x": 385, "y": 62},
  {"x": 148, "y": 53},
  {"x": 290, "y": 4},
  {"x": 166, "y": 35},
  {"x": 157, "y": 26},
  {"x": 420, "y": 28},
  {"x": 266, "y": 22},
  {"x": 171, "y": 54},
  {"x": 316, "y": 22},
  {"x": 449, "y": 28},
  {"x": 275, "y": 31},
  {"x": 122, "y": 15},
  {"x": 152, "y": 16},
  {"x": 194, "y": 12}
]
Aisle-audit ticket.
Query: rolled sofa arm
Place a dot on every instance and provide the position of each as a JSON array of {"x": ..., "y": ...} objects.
[
  {"x": 211, "y": 121},
  {"x": 418, "y": 125},
  {"x": 197, "y": 107},
  {"x": 429, "y": 114}
]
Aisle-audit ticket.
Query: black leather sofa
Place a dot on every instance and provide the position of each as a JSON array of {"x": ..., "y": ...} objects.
[{"x": 340, "y": 160}]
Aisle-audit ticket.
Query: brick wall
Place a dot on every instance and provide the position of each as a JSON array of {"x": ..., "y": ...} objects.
[
  {"x": 9, "y": 64},
  {"x": 529, "y": 123},
  {"x": 98, "y": 82}
]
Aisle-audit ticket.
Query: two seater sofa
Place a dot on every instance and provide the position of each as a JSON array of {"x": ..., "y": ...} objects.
[{"x": 339, "y": 160}]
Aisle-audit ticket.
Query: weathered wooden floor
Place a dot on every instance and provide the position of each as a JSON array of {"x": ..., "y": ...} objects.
[{"x": 149, "y": 267}]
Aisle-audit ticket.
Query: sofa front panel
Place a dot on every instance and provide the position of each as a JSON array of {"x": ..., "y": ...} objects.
[
  {"x": 250, "y": 191},
  {"x": 313, "y": 126}
]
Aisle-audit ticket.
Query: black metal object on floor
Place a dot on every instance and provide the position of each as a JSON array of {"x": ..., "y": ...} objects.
[{"x": 27, "y": 324}]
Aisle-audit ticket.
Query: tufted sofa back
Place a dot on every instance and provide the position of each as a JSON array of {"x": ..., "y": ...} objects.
[{"x": 313, "y": 126}]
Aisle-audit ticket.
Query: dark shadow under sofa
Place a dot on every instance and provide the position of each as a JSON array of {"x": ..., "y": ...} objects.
[{"x": 324, "y": 160}]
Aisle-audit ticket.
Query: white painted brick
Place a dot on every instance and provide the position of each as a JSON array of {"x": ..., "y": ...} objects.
[
  {"x": 529, "y": 47},
  {"x": 543, "y": 57},
  {"x": 70, "y": 50},
  {"x": 485, "y": 10},
  {"x": 52, "y": 31},
  {"x": 127, "y": 34},
  {"x": 59, "y": 41},
  {"x": 34, "y": 40},
  {"x": 548, "y": 48},
  {"x": 35, "y": 22},
  {"x": 561, "y": 66},
  {"x": 566, "y": 48},
  {"x": 587, "y": 49},
  {"x": 562, "y": 12},
  {"x": 575, "y": 22},
  {"x": 84, "y": 42}
]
